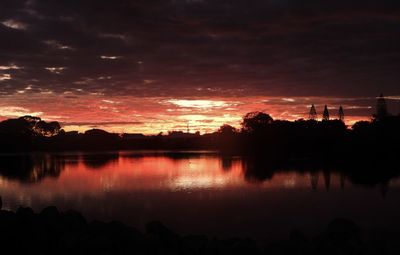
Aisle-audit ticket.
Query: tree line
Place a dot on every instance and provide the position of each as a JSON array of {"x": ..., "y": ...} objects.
[{"x": 259, "y": 134}]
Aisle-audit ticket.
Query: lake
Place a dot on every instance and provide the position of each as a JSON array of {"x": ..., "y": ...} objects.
[{"x": 197, "y": 192}]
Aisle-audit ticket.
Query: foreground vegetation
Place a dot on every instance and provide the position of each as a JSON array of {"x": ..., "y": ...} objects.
[{"x": 54, "y": 232}]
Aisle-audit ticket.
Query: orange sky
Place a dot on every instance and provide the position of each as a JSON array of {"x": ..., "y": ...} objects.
[{"x": 151, "y": 115}]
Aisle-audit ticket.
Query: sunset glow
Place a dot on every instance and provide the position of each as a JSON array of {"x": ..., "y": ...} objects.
[
  {"x": 146, "y": 72},
  {"x": 199, "y": 126},
  {"x": 158, "y": 114}
]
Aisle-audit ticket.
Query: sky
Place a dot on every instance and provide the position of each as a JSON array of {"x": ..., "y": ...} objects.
[{"x": 150, "y": 66}]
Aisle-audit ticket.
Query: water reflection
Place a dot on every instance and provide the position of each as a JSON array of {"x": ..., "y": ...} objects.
[
  {"x": 314, "y": 180},
  {"x": 95, "y": 161},
  {"x": 31, "y": 168},
  {"x": 184, "y": 170},
  {"x": 189, "y": 190}
]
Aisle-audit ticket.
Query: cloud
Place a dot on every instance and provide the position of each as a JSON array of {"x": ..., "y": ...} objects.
[
  {"x": 56, "y": 70},
  {"x": 198, "y": 56},
  {"x": 9, "y": 67},
  {"x": 14, "y": 24},
  {"x": 110, "y": 57},
  {"x": 202, "y": 104},
  {"x": 57, "y": 45},
  {"x": 4, "y": 77},
  {"x": 15, "y": 111},
  {"x": 109, "y": 123},
  {"x": 110, "y": 101},
  {"x": 270, "y": 48}
]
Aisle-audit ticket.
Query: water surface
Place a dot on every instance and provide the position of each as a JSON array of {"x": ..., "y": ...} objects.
[{"x": 196, "y": 193}]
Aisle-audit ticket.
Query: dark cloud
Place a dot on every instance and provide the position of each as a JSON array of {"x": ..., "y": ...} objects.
[{"x": 200, "y": 47}]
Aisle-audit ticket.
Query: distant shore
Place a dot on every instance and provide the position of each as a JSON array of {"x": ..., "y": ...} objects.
[{"x": 259, "y": 135}]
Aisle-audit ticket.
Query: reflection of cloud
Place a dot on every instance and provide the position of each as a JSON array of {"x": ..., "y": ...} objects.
[{"x": 198, "y": 182}]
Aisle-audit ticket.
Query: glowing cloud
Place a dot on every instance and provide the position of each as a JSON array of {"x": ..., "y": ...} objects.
[
  {"x": 5, "y": 76},
  {"x": 56, "y": 70},
  {"x": 10, "y": 67},
  {"x": 203, "y": 104},
  {"x": 57, "y": 45},
  {"x": 288, "y": 100},
  {"x": 14, "y": 24},
  {"x": 110, "y": 57},
  {"x": 15, "y": 111}
]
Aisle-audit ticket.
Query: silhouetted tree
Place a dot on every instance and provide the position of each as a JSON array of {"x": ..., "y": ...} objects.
[
  {"x": 16, "y": 126},
  {"x": 47, "y": 129},
  {"x": 361, "y": 125},
  {"x": 341, "y": 113},
  {"x": 227, "y": 130},
  {"x": 313, "y": 113},
  {"x": 100, "y": 139},
  {"x": 227, "y": 137},
  {"x": 29, "y": 125},
  {"x": 32, "y": 120},
  {"x": 381, "y": 108},
  {"x": 256, "y": 121},
  {"x": 30, "y": 167},
  {"x": 325, "y": 115}
]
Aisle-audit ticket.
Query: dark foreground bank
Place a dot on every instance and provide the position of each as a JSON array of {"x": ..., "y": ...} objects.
[{"x": 54, "y": 232}]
